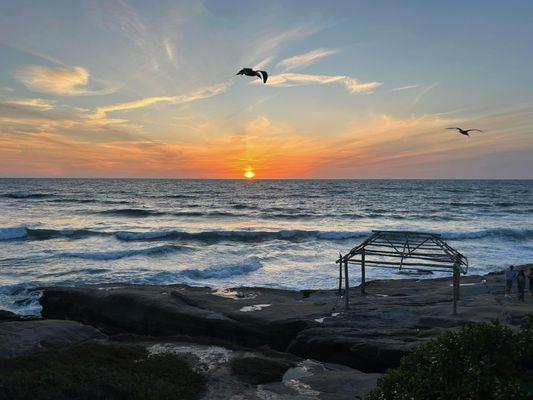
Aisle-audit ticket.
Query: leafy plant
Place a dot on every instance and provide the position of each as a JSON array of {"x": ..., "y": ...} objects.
[
  {"x": 479, "y": 362},
  {"x": 94, "y": 372}
]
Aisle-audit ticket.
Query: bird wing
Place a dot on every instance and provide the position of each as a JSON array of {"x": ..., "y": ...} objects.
[
  {"x": 474, "y": 130},
  {"x": 262, "y": 75},
  {"x": 454, "y": 127}
]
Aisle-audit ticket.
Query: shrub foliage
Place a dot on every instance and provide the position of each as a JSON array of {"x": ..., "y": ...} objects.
[
  {"x": 482, "y": 361},
  {"x": 94, "y": 372}
]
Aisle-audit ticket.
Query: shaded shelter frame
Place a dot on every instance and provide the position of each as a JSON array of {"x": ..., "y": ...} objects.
[{"x": 405, "y": 251}]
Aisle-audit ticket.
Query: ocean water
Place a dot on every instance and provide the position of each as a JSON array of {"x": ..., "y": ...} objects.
[{"x": 221, "y": 233}]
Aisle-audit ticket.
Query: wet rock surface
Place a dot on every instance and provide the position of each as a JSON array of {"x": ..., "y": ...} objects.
[
  {"x": 394, "y": 315},
  {"x": 18, "y": 338},
  {"x": 244, "y": 374},
  {"x": 372, "y": 335},
  {"x": 261, "y": 343},
  {"x": 253, "y": 317}
]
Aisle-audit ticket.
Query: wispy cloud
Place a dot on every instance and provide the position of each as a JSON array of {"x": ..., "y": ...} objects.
[
  {"x": 353, "y": 85},
  {"x": 425, "y": 91},
  {"x": 304, "y": 60},
  {"x": 61, "y": 81},
  {"x": 296, "y": 33},
  {"x": 381, "y": 146},
  {"x": 169, "y": 48},
  {"x": 200, "y": 94},
  {"x": 398, "y": 89},
  {"x": 265, "y": 47},
  {"x": 31, "y": 103},
  {"x": 263, "y": 63}
]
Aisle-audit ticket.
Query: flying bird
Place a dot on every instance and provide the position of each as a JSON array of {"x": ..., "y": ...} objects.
[
  {"x": 250, "y": 72},
  {"x": 465, "y": 131}
]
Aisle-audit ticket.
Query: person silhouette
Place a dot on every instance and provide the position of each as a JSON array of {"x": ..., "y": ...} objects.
[
  {"x": 521, "y": 284},
  {"x": 530, "y": 276},
  {"x": 510, "y": 276}
]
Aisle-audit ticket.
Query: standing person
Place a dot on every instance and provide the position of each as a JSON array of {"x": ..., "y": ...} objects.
[
  {"x": 521, "y": 284},
  {"x": 510, "y": 275},
  {"x": 530, "y": 276}
]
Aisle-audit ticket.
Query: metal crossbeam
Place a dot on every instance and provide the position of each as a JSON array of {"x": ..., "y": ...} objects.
[{"x": 419, "y": 251}]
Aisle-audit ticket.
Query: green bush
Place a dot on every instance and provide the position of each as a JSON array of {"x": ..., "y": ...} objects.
[
  {"x": 482, "y": 361},
  {"x": 94, "y": 372}
]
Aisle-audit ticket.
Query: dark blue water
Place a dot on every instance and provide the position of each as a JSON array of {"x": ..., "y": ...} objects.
[{"x": 225, "y": 233}]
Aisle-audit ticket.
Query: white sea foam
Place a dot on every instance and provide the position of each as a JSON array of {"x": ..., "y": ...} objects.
[
  {"x": 224, "y": 271},
  {"x": 255, "y": 307}
]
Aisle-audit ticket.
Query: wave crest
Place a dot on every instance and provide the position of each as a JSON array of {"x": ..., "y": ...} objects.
[
  {"x": 247, "y": 266},
  {"x": 501, "y": 233},
  {"x": 116, "y": 255},
  {"x": 17, "y": 232},
  {"x": 26, "y": 195}
]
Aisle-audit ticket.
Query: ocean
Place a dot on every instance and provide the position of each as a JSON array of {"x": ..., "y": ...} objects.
[{"x": 223, "y": 233}]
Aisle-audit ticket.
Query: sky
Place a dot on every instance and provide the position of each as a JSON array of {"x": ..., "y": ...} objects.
[{"x": 356, "y": 89}]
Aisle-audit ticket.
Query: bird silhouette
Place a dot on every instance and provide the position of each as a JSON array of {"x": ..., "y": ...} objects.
[
  {"x": 250, "y": 72},
  {"x": 465, "y": 131}
]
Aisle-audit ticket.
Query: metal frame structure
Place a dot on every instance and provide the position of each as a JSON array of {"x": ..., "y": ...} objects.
[{"x": 405, "y": 251}]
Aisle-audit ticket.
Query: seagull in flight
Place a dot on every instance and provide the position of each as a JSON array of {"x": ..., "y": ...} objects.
[
  {"x": 465, "y": 131},
  {"x": 250, "y": 72}
]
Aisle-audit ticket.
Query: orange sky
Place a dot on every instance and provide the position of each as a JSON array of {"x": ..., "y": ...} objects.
[{"x": 153, "y": 93}]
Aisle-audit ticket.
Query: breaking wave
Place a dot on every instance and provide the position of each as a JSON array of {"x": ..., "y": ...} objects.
[
  {"x": 500, "y": 233},
  {"x": 25, "y": 233},
  {"x": 214, "y": 272},
  {"x": 26, "y": 195},
  {"x": 238, "y": 235},
  {"x": 131, "y": 212},
  {"x": 116, "y": 255}
]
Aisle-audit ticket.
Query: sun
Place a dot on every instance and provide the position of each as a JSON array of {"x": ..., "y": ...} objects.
[{"x": 248, "y": 173}]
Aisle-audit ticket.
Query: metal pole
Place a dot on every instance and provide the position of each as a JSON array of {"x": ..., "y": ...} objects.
[
  {"x": 363, "y": 273},
  {"x": 458, "y": 282},
  {"x": 454, "y": 291},
  {"x": 347, "y": 286},
  {"x": 340, "y": 278}
]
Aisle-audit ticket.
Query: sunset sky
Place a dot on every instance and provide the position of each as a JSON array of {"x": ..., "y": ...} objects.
[{"x": 357, "y": 89}]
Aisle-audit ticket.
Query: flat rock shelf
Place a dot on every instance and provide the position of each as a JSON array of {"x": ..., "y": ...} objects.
[
  {"x": 372, "y": 335},
  {"x": 255, "y": 342}
]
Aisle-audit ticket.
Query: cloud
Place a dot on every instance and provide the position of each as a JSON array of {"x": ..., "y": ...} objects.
[
  {"x": 200, "y": 94},
  {"x": 380, "y": 146},
  {"x": 353, "y": 85},
  {"x": 425, "y": 91},
  {"x": 39, "y": 104},
  {"x": 263, "y": 63},
  {"x": 404, "y": 88},
  {"x": 60, "y": 80},
  {"x": 306, "y": 59},
  {"x": 264, "y": 47},
  {"x": 295, "y": 33},
  {"x": 169, "y": 48}
]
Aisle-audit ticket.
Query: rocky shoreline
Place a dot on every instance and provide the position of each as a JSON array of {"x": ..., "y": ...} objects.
[{"x": 315, "y": 348}]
